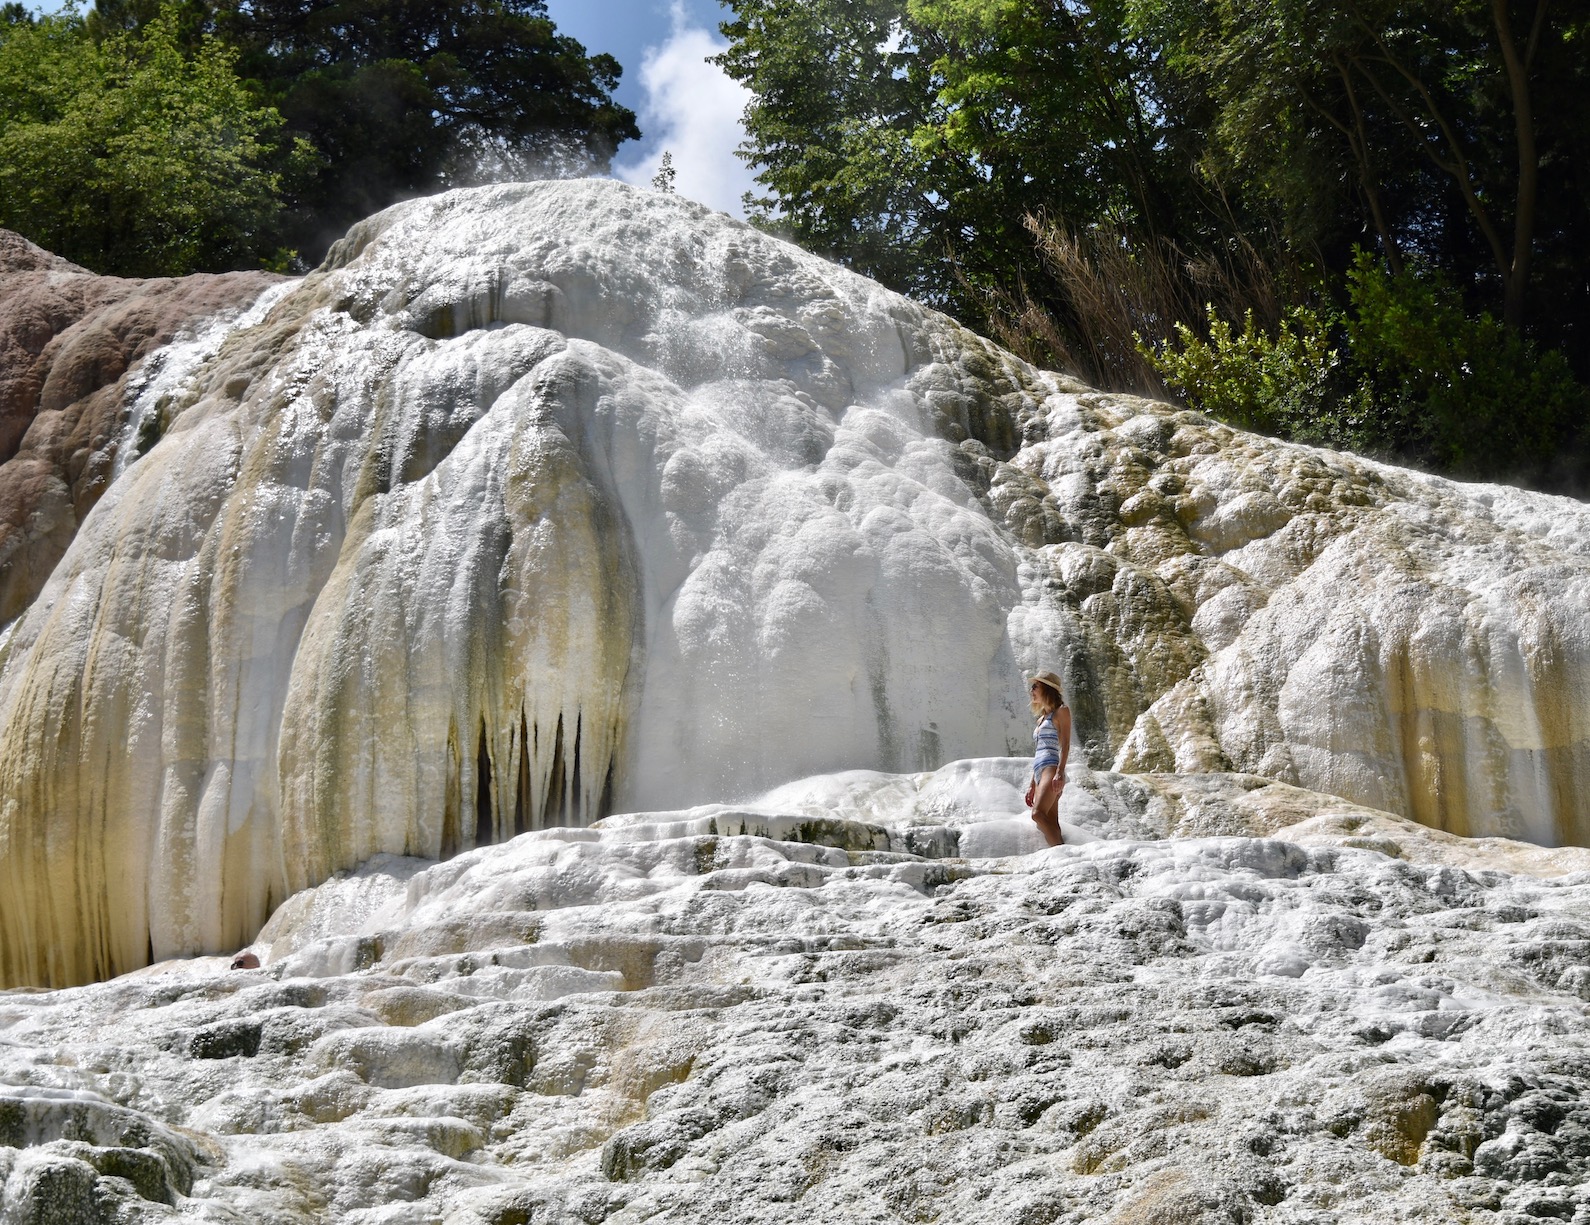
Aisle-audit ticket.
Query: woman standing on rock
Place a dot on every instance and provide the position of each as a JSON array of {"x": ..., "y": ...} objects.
[{"x": 1052, "y": 743}]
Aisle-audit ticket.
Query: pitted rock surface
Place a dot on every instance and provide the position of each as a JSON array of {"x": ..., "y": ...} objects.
[
  {"x": 68, "y": 339},
  {"x": 695, "y": 1016}
]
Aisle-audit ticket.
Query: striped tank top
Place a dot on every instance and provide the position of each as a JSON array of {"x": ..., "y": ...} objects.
[{"x": 1046, "y": 745}]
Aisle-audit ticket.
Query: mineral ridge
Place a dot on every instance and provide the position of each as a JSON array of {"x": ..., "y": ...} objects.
[{"x": 544, "y": 501}]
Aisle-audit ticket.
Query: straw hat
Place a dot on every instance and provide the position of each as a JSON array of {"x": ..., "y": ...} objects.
[{"x": 1048, "y": 678}]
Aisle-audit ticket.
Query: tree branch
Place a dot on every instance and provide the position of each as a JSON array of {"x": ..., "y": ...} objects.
[
  {"x": 1458, "y": 169},
  {"x": 1517, "y": 278},
  {"x": 1358, "y": 139}
]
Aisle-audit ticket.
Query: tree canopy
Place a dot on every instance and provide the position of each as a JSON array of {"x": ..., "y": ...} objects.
[
  {"x": 130, "y": 155},
  {"x": 404, "y": 97},
  {"x": 1102, "y": 182},
  {"x": 1451, "y": 130},
  {"x": 172, "y": 135},
  {"x": 896, "y": 133}
]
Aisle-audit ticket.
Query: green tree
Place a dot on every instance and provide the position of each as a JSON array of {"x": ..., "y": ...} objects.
[
  {"x": 897, "y": 134},
  {"x": 130, "y": 155},
  {"x": 404, "y": 97},
  {"x": 1426, "y": 126},
  {"x": 950, "y": 147},
  {"x": 191, "y": 19},
  {"x": 663, "y": 180},
  {"x": 839, "y": 87}
]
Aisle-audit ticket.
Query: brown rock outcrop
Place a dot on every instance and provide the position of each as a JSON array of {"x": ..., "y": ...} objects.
[{"x": 68, "y": 341}]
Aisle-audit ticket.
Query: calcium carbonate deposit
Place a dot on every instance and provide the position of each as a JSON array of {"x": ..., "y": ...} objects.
[
  {"x": 545, "y": 501},
  {"x": 576, "y": 641},
  {"x": 692, "y": 1016}
]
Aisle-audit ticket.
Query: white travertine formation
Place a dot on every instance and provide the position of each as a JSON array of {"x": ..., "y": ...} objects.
[
  {"x": 546, "y": 500},
  {"x": 858, "y": 998}
]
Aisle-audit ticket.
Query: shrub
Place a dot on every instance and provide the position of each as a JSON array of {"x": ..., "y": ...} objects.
[
  {"x": 1289, "y": 384},
  {"x": 1462, "y": 393},
  {"x": 1406, "y": 373}
]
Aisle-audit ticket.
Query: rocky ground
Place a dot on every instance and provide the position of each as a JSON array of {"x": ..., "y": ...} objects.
[{"x": 864, "y": 998}]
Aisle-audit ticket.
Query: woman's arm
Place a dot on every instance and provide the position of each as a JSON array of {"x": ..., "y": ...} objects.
[{"x": 1062, "y": 726}]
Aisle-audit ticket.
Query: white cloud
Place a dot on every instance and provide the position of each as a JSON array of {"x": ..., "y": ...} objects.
[{"x": 692, "y": 111}]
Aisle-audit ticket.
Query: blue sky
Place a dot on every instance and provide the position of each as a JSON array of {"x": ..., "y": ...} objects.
[
  {"x": 684, "y": 104},
  {"x": 625, "y": 29}
]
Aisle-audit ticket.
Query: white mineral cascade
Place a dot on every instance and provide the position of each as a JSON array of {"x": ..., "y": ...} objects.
[
  {"x": 866, "y": 997},
  {"x": 545, "y": 501}
]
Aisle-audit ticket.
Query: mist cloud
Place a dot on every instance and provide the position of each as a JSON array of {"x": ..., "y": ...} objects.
[{"x": 692, "y": 110}]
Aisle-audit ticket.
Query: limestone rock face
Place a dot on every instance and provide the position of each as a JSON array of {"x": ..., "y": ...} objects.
[
  {"x": 540, "y": 502},
  {"x": 893, "y": 1010}
]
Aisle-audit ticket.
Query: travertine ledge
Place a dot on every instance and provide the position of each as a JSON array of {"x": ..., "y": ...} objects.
[{"x": 543, "y": 501}]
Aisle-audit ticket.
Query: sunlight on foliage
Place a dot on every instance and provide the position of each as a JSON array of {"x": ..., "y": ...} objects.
[
  {"x": 1277, "y": 384},
  {"x": 131, "y": 156},
  {"x": 1405, "y": 372}
]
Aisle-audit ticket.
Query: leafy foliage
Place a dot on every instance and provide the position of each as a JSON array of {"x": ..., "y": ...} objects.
[
  {"x": 130, "y": 155},
  {"x": 1070, "y": 173},
  {"x": 169, "y": 135},
  {"x": 1462, "y": 393},
  {"x": 915, "y": 140},
  {"x": 663, "y": 180},
  {"x": 1406, "y": 372},
  {"x": 839, "y": 89},
  {"x": 405, "y": 97},
  {"x": 1281, "y": 384},
  {"x": 1425, "y": 126}
]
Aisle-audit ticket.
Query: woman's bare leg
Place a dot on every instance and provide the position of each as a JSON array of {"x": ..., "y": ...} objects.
[{"x": 1046, "y": 806}]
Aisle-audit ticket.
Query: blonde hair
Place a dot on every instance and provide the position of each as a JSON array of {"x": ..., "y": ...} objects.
[{"x": 1047, "y": 700}]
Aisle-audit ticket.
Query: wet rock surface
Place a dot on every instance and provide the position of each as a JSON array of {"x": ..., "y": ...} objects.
[{"x": 662, "y": 1020}]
